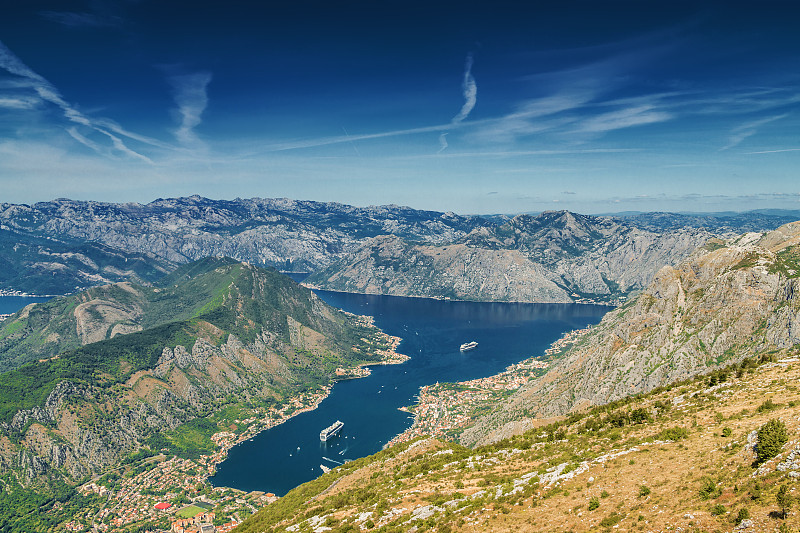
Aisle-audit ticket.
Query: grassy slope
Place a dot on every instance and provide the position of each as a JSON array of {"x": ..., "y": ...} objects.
[{"x": 685, "y": 463}]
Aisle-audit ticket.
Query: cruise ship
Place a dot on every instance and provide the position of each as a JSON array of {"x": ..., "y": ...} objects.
[
  {"x": 330, "y": 431},
  {"x": 468, "y": 346}
]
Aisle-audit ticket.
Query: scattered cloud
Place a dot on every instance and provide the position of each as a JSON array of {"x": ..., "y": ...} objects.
[
  {"x": 623, "y": 118},
  {"x": 18, "y": 102},
  {"x": 442, "y": 143},
  {"x": 740, "y": 133},
  {"x": 326, "y": 141},
  {"x": 780, "y": 151},
  {"x": 83, "y": 20},
  {"x": 190, "y": 95},
  {"x": 470, "y": 90},
  {"x": 48, "y": 93}
]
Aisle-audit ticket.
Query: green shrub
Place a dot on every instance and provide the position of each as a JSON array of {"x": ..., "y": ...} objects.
[
  {"x": 644, "y": 491},
  {"x": 594, "y": 503},
  {"x": 744, "y": 514},
  {"x": 708, "y": 489},
  {"x": 640, "y": 416},
  {"x": 771, "y": 438},
  {"x": 611, "y": 520},
  {"x": 768, "y": 405},
  {"x": 718, "y": 510},
  {"x": 674, "y": 433},
  {"x": 726, "y": 432}
]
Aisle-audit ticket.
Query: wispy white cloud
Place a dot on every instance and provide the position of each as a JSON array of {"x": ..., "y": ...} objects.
[
  {"x": 742, "y": 132},
  {"x": 18, "y": 102},
  {"x": 470, "y": 91},
  {"x": 48, "y": 93},
  {"x": 326, "y": 141},
  {"x": 623, "y": 118},
  {"x": 192, "y": 99},
  {"x": 442, "y": 143},
  {"x": 75, "y": 134},
  {"x": 779, "y": 151},
  {"x": 82, "y": 20}
]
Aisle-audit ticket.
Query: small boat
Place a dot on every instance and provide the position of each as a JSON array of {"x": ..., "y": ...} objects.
[
  {"x": 468, "y": 346},
  {"x": 330, "y": 431}
]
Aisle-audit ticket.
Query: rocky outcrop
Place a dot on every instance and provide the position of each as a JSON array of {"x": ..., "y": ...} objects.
[{"x": 728, "y": 301}]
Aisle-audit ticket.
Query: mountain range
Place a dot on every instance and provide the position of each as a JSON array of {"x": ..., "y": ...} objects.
[
  {"x": 557, "y": 256},
  {"x": 178, "y": 350},
  {"x": 64, "y": 246}
]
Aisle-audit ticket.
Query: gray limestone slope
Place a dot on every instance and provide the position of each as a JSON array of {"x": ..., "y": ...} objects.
[
  {"x": 728, "y": 301},
  {"x": 552, "y": 257},
  {"x": 280, "y": 232},
  {"x": 390, "y": 265}
]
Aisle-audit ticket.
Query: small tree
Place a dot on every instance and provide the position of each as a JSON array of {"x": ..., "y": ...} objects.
[
  {"x": 771, "y": 438},
  {"x": 785, "y": 500}
]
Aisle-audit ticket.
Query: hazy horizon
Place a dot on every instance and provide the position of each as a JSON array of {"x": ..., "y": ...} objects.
[{"x": 498, "y": 108}]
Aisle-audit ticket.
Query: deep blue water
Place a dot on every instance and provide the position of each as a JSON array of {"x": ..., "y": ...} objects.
[
  {"x": 12, "y": 304},
  {"x": 287, "y": 455}
]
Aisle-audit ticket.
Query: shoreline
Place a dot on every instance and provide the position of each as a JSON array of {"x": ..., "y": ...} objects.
[
  {"x": 391, "y": 357},
  {"x": 133, "y": 502},
  {"x": 21, "y": 294},
  {"x": 444, "y": 408},
  {"x": 313, "y": 287}
]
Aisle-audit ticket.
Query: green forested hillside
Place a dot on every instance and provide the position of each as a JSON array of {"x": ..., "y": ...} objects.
[{"x": 214, "y": 334}]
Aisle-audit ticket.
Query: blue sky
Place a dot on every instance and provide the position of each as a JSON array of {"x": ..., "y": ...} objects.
[{"x": 475, "y": 108}]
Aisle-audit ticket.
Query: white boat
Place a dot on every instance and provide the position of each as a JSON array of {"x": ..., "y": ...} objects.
[
  {"x": 468, "y": 346},
  {"x": 330, "y": 431}
]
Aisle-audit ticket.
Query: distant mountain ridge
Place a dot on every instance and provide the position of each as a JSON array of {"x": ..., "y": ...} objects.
[
  {"x": 102, "y": 374},
  {"x": 557, "y": 256},
  {"x": 282, "y": 233},
  {"x": 63, "y": 246}
]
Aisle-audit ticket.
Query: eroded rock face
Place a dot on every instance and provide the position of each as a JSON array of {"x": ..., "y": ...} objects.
[{"x": 725, "y": 303}]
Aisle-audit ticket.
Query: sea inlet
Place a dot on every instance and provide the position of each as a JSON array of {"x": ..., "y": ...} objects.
[{"x": 291, "y": 453}]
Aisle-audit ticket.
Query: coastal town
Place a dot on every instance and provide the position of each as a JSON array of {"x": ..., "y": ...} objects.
[
  {"x": 167, "y": 493},
  {"x": 173, "y": 493},
  {"x": 445, "y": 409}
]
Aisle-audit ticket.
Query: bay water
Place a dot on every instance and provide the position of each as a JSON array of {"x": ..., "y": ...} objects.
[
  {"x": 280, "y": 458},
  {"x": 12, "y": 304}
]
